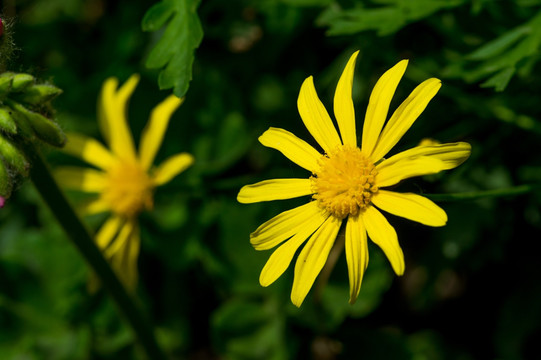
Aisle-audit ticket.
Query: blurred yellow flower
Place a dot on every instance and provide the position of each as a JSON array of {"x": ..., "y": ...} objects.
[
  {"x": 122, "y": 179},
  {"x": 347, "y": 182}
]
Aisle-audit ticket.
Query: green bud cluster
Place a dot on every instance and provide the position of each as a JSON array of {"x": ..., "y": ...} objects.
[{"x": 24, "y": 105}]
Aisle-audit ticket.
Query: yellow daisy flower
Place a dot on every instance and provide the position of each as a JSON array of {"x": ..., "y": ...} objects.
[
  {"x": 347, "y": 183},
  {"x": 123, "y": 180}
]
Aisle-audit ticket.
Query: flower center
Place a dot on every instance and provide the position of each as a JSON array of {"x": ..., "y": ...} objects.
[
  {"x": 129, "y": 189},
  {"x": 345, "y": 182}
]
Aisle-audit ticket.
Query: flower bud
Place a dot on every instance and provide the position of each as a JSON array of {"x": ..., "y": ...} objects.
[
  {"x": 23, "y": 127},
  {"x": 6, "y": 79},
  {"x": 37, "y": 94},
  {"x": 13, "y": 156},
  {"x": 21, "y": 82},
  {"x": 7, "y": 124},
  {"x": 44, "y": 129}
]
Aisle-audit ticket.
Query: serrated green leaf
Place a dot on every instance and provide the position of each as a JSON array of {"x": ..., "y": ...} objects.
[
  {"x": 174, "y": 52},
  {"x": 156, "y": 16}
]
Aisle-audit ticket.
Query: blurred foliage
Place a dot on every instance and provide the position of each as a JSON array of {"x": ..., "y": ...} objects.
[
  {"x": 471, "y": 289},
  {"x": 387, "y": 19},
  {"x": 515, "y": 50}
]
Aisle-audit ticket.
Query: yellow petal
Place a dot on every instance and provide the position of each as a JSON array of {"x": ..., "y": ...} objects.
[
  {"x": 378, "y": 105},
  {"x": 315, "y": 117},
  {"x": 312, "y": 259},
  {"x": 281, "y": 257},
  {"x": 126, "y": 90},
  {"x": 94, "y": 206},
  {"x": 83, "y": 179},
  {"x": 391, "y": 172},
  {"x": 276, "y": 189},
  {"x": 108, "y": 231},
  {"x": 343, "y": 104},
  {"x": 295, "y": 149},
  {"x": 171, "y": 167},
  {"x": 127, "y": 260},
  {"x": 106, "y": 97},
  {"x": 404, "y": 117},
  {"x": 451, "y": 154},
  {"x": 154, "y": 131},
  {"x": 356, "y": 255},
  {"x": 284, "y": 225},
  {"x": 383, "y": 234},
  {"x": 112, "y": 110},
  {"x": 89, "y": 150},
  {"x": 120, "y": 241},
  {"x": 410, "y": 206}
]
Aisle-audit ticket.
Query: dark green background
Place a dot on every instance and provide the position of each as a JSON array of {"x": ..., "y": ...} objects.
[{"x": 471, "y": 289}]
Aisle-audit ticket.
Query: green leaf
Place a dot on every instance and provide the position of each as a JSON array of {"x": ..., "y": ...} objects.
[
  {"x": 156, "y": 16},
  {"x": 385, "y": 19},
  {"x": 174, "y": 52},
  {"x": 499, "y": 45},
  {"x": 499, "y": 59},
  {"x": 344, "y": 22},
  {"x": 500, "y": 80}
]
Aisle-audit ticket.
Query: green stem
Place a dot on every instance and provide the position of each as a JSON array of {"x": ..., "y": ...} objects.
[
  {"x": 475, "y": 195},
  {"x": 76, "y": 231}
]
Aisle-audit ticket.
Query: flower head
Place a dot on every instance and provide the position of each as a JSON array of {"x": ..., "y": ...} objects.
[
  {"x": 348, "y": 183},
  {"x": 123, "y": 179}
]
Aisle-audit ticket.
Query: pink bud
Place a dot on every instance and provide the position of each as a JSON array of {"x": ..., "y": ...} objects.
[
  {"x": 1, "y": 27},
  {"x": 2, "y": 202}
]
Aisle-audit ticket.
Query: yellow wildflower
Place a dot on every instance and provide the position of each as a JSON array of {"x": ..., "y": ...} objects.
[
  {"x": 123, "y": 180},
  {"x": 347, "y": 183}
]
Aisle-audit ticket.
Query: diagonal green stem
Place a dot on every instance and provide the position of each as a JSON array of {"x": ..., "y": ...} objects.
[
  {"x": 76, "y": 231},
  {"x": 475, "y": 195}
]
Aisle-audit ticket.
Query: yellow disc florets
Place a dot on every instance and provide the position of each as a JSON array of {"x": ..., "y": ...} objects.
[
  {"x": 129, "y": 189},
  {"x": 345, "y": 181}
]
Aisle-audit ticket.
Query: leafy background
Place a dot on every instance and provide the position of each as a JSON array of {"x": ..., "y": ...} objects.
[{"x": 471, "y": 289}]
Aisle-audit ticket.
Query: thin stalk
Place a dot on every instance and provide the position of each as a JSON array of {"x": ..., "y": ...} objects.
[
  {"x": 77, "y": 232},
  {"x": 475, "y": 195}
]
